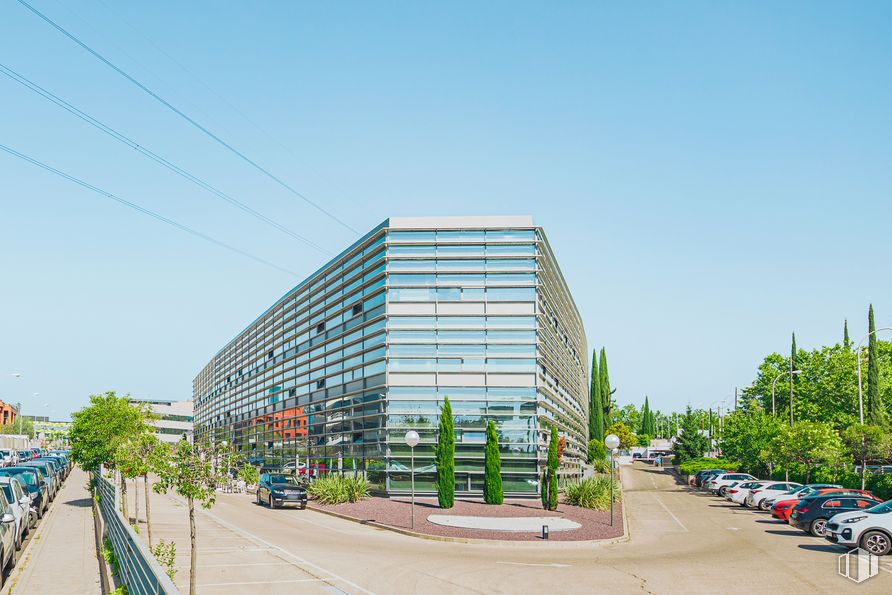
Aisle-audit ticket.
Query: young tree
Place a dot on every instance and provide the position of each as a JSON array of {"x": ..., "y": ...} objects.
[
  {"x": 809, "y": 444},
  {"x": 596, "y": 451},
  {"x": 747, "y": 437},
  {"x": 445, "y": 457},
  {"x": 135, "y": 458},
  {"x": 691, "y": 443},
  {"x": 99, "y": 429},
  {"x": 190, "y": 471},
  {"x": 549, "y": 477},
  {"x": 845, "y": 335},
  {"x": 606, "y": 393},
  {"x": 876, "y": 411},
  {"x": 596, "y": 407},
  {"x": 645, "y": 414},
  {"x": 626, "y": 438},
  {"x": 492, "y": 480},
  {"x": 866, "y": 444}
]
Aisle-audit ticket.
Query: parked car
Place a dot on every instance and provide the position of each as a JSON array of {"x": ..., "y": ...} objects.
[
  {"x": 20, "y": 504},
  {"x": 25, "y": 455},
  {"x": 55, "y": 469},
  {"x": 697, "y": 478},
  {"x": 811, "y": 514},
  {"x": 737, "y": 494},
  {"x": 869, "y": 529},
  {"x": 277, "y": 489},
  {"x": 7, "y": 540},
  {"x": 707, "y": 477},
  {"x": 719, "y": 484},
  {"x": 48, "y": 477},
  {"x": 758, "y": 498},
  {"x": 33, "y": 481},
  {"x": 62, "y": 464},
  {"x": 8, "y": 457}
]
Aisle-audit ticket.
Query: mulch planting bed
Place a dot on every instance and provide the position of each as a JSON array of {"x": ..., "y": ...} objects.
[{"x": 395, "y": 512}]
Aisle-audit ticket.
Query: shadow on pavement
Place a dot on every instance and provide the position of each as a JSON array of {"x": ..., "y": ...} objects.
[
  {"x": 771, "y": 522},
  {"x": 80, "y": 503},
  {"x": 832, "y": 549},
  {"x": 791, "y": 532}
]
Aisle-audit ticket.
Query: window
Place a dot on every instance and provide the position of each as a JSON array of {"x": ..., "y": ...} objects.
[
  {"x": 357, "y": 310},
  {"x": 320, "y": 328},
  {"x": 833, "y": 504},
  {"x": 320, "y": 383}
]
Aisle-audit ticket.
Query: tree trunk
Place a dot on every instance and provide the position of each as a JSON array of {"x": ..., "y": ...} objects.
[
  {"x": 807, "y": 473},
  {"x": 136, "y": 501},
  {"x": 192, "y": 553},
  {"x": 146, "y": 486},
  {"x": 863, "y": 474},
  {"x": 124, "y": 498}
]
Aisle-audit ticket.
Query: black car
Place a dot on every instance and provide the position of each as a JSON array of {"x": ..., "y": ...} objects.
[
  {"x": 811, "y": 514},
  {"x": 278, "y": 489},
  {"x": 703, "y": 476}
]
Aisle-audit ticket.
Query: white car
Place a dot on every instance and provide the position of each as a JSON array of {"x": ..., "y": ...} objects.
[
  {"x": 720, "y": 483},
  {"x": 738, "y": 493},
  {"x": 759, "y": 497},
  {"x": 8, "y": 458},
  {"x": 869, "y": 529},
  {"x": 20, "y": 504}
]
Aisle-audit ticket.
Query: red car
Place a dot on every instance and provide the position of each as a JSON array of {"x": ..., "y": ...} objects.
[{"x": 782, "y": 509}]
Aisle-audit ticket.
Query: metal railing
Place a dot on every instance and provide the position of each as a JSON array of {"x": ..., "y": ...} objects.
[{"x": 136, "y": 566}]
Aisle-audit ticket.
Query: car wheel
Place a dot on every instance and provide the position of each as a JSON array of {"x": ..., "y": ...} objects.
[
  {"x": 818, "y": 527},
  {"x": 876, "y": 542},
  {"x": 303, "y": 506},
  {"x": 271, "y": 503},
  {"x": 763, "y": 505},
  {"x": 18, "y": 543},
  {"x": 258, "y": 498},
  {"x": 723, "y": 492}
]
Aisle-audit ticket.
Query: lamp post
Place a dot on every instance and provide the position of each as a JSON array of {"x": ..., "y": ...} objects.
[
  {"x": 412, "y": 439},
  {"x": 858, "y": 357},
  {"x": 773, "y": 387},
  {"x": 611, "y": 441}
]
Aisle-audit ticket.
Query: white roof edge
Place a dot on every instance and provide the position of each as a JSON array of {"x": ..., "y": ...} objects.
[{"x": 461, "y": 222}]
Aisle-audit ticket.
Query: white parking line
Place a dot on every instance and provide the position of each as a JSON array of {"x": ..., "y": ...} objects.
[
  {"x": 303, "y": 561},
  {"x": 660, "y": 502},
  {"x": 297, "y": 580},
  {"x": 555, "y": 565}
]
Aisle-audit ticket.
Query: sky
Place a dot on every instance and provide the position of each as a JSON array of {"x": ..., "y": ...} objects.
[{"x": 711, "y": 176}]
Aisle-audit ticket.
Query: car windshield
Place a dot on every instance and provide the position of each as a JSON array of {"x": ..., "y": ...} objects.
[
  {"x": 883, "y": 508},
  {"x": 25, "y": 478},
  {"x": 283, "y": 479},
  {"x": 7, "y": 491}
]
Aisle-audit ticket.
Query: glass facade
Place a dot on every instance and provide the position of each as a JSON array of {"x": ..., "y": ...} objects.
[{"x": 336, "y": 372}]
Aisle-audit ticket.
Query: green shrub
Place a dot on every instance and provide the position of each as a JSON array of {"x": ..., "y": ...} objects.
[
  {"x": 694, "y": 465},
  {"x": 111, "y": 558},
  {"x": 601, "y": 466},
  {"x": 593, "y": 492},
  {"x": 492, "y": 479},
  {"x": 880, "y": 485},
  {"x": 166, "y": 554},
  {"x": 338, "y": 489},
  {"x": 596, "y": 451}
]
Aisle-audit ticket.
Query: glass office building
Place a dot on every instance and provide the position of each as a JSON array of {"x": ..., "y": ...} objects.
[{"x": 335, "y": 373}]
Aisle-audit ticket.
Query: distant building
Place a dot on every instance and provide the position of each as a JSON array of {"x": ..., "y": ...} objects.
[
  {"x": 175, "y": 419},
  {"x": 7, "y": 413}
]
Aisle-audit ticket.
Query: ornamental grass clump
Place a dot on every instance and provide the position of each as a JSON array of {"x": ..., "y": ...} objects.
[
  {"x": 593, "y": 492},
  {"x": 338, "y": 489}
]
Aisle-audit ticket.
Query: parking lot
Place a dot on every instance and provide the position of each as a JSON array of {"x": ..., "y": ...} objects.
[{"x": 682, "y": 541}]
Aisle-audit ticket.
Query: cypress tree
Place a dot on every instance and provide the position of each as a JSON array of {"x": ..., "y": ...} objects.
[
  {"x": 605, "y": 389},
  {"x": 645, "y": 415},
  {"x": 492, "y": 479},
  {"x": 845, "y": 335},
  {"x": 552, "y": 470},
  {"x": 445, "y": 457},
  {"x": 876, "y": 412},
  {"x": 596, "y": 409}
]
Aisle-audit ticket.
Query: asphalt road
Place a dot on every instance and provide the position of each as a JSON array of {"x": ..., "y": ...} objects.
[{"x": 681, "y": 542}]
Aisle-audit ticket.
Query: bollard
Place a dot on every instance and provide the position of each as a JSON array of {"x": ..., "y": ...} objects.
[{"x": 544, "y": 531}]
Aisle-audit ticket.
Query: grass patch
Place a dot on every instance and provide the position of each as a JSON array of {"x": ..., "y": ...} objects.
[{"x": 338, "y": 489}]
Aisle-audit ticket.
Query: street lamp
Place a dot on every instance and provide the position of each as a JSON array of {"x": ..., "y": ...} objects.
[
  {"x": 412, "y": 439},
  {"x": 774, "y": 386},
  {"x": 858, "y": 356},
  {"x": 611, "y": 441}
]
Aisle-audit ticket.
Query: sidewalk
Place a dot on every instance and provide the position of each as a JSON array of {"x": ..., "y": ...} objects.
[{"x": 61, "y": 559}]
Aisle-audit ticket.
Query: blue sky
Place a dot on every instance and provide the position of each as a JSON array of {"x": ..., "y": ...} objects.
[{"x": 711, "y": 177}]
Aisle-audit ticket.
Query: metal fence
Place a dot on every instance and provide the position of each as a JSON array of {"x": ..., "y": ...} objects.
[{"x": 137, "y": 567}]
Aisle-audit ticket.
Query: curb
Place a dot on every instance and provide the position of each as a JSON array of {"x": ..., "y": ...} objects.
[{"x": 474, "y": 541}]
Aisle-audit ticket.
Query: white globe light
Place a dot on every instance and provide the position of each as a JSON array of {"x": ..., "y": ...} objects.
[
  {"x": 611, "y": 441},
  {"x": 412, "y": 438}
]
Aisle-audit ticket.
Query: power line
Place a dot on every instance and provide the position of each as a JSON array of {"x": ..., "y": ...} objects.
[
  {"x": 178, "y": 112},
  {"x": 143, "y": 210},
  {"x": 154, "y": 156}
]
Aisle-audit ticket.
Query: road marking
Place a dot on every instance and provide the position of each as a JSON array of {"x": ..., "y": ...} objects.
[
  {"x": 259, "y": 539},
  {"x": 660, "y": 502},
  {"x": 532, "y": 564},
  {"x": 239, "y": 564},
  {"x": 732, "y": 528},
  {"x": 296, "y": 580}
]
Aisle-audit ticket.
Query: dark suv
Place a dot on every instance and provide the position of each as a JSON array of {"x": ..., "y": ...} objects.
[
  {"x": 811, "y": 514},
  {"x": 277, "y": 489}
]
